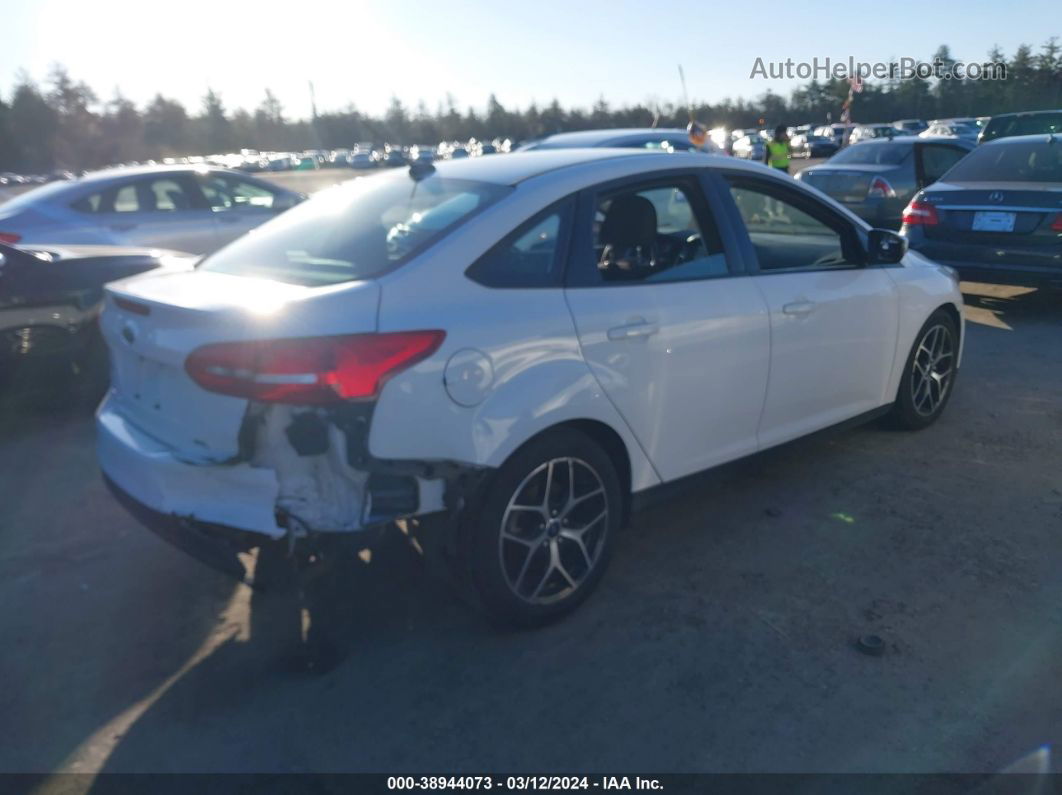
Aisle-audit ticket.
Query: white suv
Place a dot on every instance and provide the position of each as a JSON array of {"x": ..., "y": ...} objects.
[{"x": 521, "y": 346}]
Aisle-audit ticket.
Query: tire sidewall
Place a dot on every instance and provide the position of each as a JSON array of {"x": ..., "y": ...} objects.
[{"x": 503, "y": 607}]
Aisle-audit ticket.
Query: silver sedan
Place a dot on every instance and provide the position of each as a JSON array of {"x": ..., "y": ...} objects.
[{"x": 186, "y": 208}]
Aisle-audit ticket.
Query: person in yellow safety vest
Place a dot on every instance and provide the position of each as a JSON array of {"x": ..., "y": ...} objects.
[{"x": 776, "y": 153}]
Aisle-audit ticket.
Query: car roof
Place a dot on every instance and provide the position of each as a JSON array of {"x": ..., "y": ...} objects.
[
  {"x": 1025, "y": 113},
  {"x": 911, "y": 140},
  {"x": 516, "y": 167},
  {"x": 120, "y": 172},
  {"x": 1024, "y": 139},
  {"x": 600, "y": 137},
  {"x": 512, "y": 169}
]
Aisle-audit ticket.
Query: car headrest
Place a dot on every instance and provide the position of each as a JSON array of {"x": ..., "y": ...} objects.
[{"x": 630, "y": 221}]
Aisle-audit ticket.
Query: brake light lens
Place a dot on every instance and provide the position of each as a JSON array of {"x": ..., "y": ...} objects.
[
  {"x": 919, "y": 213},
  {"x": 1056, "y": 225},
  {"x": 880, "y": 189},
  {"x": 9, "y": 237},
  {"x": 311, "y": 370}
]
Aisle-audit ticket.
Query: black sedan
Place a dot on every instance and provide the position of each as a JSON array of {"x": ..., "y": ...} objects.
[
  {"x": 49, "y": 300},
  {"x": 997, "y": 215},
  {"x": 875, "y": 179},
  {"x": 808, "y": 146},
  {"x": 1031, "y": 122}
]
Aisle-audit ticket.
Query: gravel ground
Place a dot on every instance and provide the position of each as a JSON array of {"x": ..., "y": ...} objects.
[{"x": 721, "y": 639}]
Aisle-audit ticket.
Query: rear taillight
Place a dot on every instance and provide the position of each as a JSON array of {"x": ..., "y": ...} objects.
[
  {"x": 311, "y": 370},
  {"x": 1056, "y": 225},
  {"x": 880, "y": 189},
  {"x": 132, "y": 306},
  {"x": 9, "y": 237},
  {"x": 920, "y": 214}
]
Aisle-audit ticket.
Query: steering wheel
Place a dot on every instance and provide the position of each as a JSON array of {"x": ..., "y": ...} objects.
[{"x": 691, "y": 248}]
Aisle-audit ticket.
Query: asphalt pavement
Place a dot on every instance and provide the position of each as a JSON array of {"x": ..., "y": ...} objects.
[{"x": 722, "y": 638}]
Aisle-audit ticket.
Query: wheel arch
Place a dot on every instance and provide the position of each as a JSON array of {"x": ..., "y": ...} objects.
[
  {"x": 604, "y": 436},
  {"x": 955, "y": 315}
]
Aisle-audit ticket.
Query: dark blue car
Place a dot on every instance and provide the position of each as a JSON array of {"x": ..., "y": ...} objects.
[{"x": 997, "y": 214}]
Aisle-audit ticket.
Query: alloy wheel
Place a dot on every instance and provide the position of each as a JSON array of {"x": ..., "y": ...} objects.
[
  {"x": 932, "y": 369},
  {"x": 553, "y": 530}
]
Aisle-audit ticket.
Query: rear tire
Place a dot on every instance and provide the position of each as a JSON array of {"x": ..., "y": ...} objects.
[
  {"x": 545, "y": 531},
  {"x": 929, "y": 374}
]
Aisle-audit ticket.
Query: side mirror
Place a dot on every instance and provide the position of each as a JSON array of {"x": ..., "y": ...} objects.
[{"x": 885, "y": 247}]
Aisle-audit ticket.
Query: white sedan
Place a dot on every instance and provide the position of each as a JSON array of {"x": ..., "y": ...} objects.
[{"x": 522, "y": 347}]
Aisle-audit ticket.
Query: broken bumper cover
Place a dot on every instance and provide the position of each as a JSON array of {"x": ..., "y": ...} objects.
[
  {"x": 216, "y": 511},
  {"x": 237, "y": 495},
  {"x": 215, "y": 545}
]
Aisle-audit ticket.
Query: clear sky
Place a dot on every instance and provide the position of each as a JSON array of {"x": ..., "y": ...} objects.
[{"x": 575, "y": 50}]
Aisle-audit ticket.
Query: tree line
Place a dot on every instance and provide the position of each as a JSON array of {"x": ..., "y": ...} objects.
[{"x": 63, "y": 123}]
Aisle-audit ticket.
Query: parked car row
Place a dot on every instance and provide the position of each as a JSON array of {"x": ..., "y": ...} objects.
[{"x": 364, "y": 156}]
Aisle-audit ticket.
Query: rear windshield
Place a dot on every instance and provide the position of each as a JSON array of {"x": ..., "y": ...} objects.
[
  {"x": 1014, "y": 161},
  {"x": 873, "y": 154},
  {"x": 1006, "y": 126},
  {"x": 31, "y": 197},
  {"x": 356, "y": 230}
]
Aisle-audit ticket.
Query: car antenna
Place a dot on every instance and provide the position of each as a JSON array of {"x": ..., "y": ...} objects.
[
  {"x": 419, "y": 171},
  {"x": 697, "y": 132}
]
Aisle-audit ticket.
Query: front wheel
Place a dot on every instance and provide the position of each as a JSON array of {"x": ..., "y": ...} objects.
[
  {"x": 929, "y": 374},
  {"x": 542, "y": 541}
]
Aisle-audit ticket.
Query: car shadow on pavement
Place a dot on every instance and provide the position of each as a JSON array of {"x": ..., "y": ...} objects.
[
  {"x": 341, "y": 619},
  {"x": 96, "y": 612},
  {"x": 1000, "y": 305}
]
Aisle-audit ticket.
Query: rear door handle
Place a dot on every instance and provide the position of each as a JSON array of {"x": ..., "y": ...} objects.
[
  {"x": 633, "y": 330},
  {"x": 799, "y": 308}
]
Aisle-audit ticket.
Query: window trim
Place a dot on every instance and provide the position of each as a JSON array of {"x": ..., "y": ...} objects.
[
  {"x": 566, "y": 208},
  {"x": 851, "y": 235},
  {"x": 578, "y": 273}
]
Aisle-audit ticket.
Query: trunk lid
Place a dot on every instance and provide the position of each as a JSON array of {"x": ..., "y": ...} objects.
[
  {"x": 152, "y": 322},
  {"x": 847, "y": 183},
  {"x": 962, "y": 209}
]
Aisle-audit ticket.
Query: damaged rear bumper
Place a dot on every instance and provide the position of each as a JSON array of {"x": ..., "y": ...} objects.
[
  {"x": 216, "y": 545},
  {"x": 282, "y": 487},
  {"x": 237, "y": 495}
]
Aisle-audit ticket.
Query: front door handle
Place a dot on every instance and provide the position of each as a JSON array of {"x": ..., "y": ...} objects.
[
  {"x": 633, "y": 330},
  {"x": 800, "y": 308}
]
